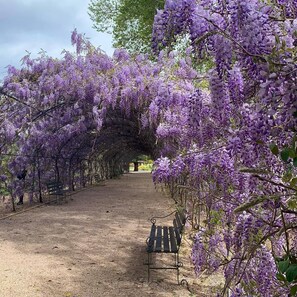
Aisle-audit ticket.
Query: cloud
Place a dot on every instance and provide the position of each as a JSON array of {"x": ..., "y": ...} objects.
[{"x": 29, "y": 25}]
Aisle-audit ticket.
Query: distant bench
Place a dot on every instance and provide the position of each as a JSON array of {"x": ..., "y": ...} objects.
[
  {"x": 56, "y": 188},
  {"x": 166, "y": 239}
]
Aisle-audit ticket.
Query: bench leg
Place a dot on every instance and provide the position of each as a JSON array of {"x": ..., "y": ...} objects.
[
  {"x": 148, "y": 266},
  {"x": 177, "y": 267}
]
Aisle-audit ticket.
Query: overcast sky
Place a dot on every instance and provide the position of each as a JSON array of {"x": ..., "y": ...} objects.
[{"x": 31, "y": 25}]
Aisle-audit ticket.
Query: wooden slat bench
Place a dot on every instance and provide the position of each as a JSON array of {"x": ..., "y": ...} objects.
[
  {"x": 56, "y": 188},
  {"x": 166, "y": 239}
]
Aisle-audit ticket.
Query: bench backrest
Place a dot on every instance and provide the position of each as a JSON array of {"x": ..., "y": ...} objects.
[
  {"x": 179, "y": 222},
  {"x": 54, "y": 186}
]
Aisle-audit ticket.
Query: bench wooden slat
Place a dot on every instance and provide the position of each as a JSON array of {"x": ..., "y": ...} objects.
[
  {"x": 151, "y": 241},
  {"x": 177, "y": 231},
  {"x": 173, "y": 245},
  {"x": 183, "y": 217},
  {"x": 159, "y": 239},
  {"x": 178, "y": 220},
  {"x": 166, "y": 240},
  {"x": 178, "y": 236},
  {"x": 175, "y": 224},
  {"x": 55, "y": 188}
]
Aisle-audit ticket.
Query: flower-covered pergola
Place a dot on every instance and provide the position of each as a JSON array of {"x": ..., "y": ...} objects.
[
  {"x": 84, "y": 117},
  {"x": 226, "y": 135}
]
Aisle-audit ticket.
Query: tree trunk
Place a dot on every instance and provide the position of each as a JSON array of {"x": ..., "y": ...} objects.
[{"x": 135, "y": 166}]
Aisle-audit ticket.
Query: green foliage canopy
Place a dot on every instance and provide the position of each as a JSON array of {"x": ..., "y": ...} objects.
[{"x": 129, "y": 21}]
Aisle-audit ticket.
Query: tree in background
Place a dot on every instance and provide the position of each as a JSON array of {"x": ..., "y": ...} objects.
[{"x": 129, "y": 21}]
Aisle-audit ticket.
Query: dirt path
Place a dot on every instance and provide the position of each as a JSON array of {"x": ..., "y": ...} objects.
[{"x": 92, "y": 246}]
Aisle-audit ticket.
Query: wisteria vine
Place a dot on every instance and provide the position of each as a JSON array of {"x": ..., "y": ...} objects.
[
  {"x": 86, "y": 111},
  {"x": 231, "y": 143},
  {"x": 236, "y": 144}
]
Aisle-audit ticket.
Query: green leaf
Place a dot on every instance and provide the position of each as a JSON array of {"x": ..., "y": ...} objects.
[
  {"x": 292, "y": 204},
  {"x": 4, "y": 192},
  {"x": 287, "y": 177},
  {"x": 291, "y": 272},
  {"x": 285, "y": 153},
  {"x": 295, "y": 162},
  {"x": 281, "y": 277},
  {"x": 292, "y": 153},
  {"x": 260, "y": 142},
  {"x": 293, "y": 182},
  {"x": 293, "y": 291},
  {"x": 283, "y": 265},
  {"x": 274, "y": 149},
  {"x": 294, "y": 142},
  {"x": 283, "y": 43}
]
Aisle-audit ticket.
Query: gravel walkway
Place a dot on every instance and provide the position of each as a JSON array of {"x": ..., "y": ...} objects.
[{"x": 92, "y": 246}]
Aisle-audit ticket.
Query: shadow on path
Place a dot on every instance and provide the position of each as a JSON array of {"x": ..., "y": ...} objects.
[{"x": 92, "y": 246}]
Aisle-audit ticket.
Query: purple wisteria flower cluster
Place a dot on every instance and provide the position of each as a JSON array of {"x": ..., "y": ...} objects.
[
  {"x": 231, "y": 145},
  {"x": 232, "y": 142},
  {"x": 87, "y": 114}
]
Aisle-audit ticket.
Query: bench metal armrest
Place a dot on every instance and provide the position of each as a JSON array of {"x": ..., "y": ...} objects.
[{"x": 154, "y": 219}]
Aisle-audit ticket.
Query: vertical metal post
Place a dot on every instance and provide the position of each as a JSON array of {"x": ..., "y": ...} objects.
[
  {"x": 177, "y": 266},
  {"x": 39, "y": 180}
]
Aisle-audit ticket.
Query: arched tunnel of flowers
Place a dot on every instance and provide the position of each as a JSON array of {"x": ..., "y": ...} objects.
[
  {"x": 219, "y": 119},
  {"x": 81, "y": 119}
]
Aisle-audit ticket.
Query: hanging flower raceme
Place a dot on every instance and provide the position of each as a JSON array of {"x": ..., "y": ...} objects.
[
  {"x": 230, "y": 141},
  {"x": 60, "y": 112}
]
